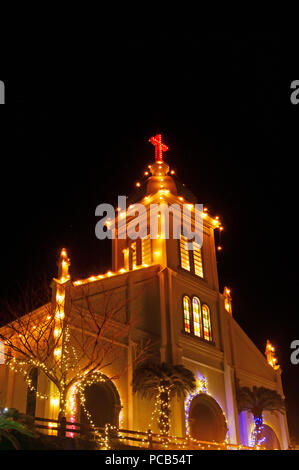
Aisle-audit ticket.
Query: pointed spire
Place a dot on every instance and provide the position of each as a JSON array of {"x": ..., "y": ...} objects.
[
  {"x": 63, "y": 266},
  {"x": 227, "y": 300},
  {"x": 270, "y": 353}
]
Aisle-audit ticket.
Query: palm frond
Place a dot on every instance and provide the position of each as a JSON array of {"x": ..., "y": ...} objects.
[{"x": 149, "y": 376}]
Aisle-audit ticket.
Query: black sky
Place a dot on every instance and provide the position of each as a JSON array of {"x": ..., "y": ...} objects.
[{"x": 74, "y": 135}]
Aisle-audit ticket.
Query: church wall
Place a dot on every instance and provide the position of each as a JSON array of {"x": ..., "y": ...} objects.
[
  {"x": 3, "y": 383},
  {"x": 143, "y": 409},
  {"x": 19, "y": 396},
  {"x": 252, "y": 369},
  {"x": 145, "y": 308},
  {"x": 247, "y": 356}
]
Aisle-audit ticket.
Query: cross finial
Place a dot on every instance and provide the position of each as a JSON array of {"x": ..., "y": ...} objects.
[{"x": 159, "y": 147}]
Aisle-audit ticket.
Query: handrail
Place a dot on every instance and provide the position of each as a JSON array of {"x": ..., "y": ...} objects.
[{"x": 65, "y": 428}]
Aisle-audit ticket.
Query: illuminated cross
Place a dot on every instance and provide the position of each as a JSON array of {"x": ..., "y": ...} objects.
[{"x": 159, "y": 147}]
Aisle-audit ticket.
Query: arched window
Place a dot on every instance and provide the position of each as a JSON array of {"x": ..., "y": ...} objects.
[
  {"x": 134, "y": 254},
  {"x": 197, "y": 328},
  {"x": 146, "y": 250},
  {"x": 197, "y": 260},
  {"x": 206, "y": 321},
  {"x": 31, "y": 394},
  {"x": 184, "y": 252},
  {"x": 187, "y": 314}
]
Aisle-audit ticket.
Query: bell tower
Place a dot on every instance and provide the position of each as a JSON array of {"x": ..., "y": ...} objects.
[{"x": 158, "y": 191}]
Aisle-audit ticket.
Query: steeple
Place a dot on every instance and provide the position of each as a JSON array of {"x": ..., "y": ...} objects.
[
  {"x": 159, "y": 170},
  {"x": 63, "y": 266}
]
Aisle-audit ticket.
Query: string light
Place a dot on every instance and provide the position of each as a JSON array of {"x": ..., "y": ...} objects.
[{"x": 270, "y": 353}]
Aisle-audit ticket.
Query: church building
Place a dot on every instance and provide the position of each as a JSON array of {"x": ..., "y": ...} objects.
[{"x": 170, "y": 297}]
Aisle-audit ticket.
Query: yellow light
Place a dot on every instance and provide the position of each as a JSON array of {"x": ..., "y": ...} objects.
[
  {"x": 157, "y": 253},
  {"x": 109, "y": 273},
  {"x": 138, "y": 184},
  {"x": 57, "y": 352},
  {"x": 181, "y": 198},
  {"x": 54, "y": 401},
  {"x": 122, "y": 270},
  {"x": 60, "y": 315},
  {"x": 57, "y": 332},
  {"x": 60, "y": 297}
]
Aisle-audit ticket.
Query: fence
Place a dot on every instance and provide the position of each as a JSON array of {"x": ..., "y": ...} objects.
[{"x": 126, "y": 437}]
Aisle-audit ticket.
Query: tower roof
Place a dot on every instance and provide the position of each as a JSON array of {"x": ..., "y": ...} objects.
[{"x": 157, "y": 177}]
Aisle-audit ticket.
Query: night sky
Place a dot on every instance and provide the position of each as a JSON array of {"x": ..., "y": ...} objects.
[{"x": 74, "y": 134}]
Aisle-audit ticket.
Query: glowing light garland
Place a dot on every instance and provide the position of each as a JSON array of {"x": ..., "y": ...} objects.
[
  {"x": 202, "y": 387},
  {"x": 256, "y": 438}
]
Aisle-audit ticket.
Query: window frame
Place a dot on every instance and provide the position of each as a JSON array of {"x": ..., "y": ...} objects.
[
  {"x": 191, "y": 261},
  {"x": 191, "y": 333},
  {"x": 210, "y": 324}
]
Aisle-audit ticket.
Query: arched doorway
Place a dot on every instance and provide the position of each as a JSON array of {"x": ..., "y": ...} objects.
[
  {"x": 103, "y": 404},
  {"x": 206, "y": 419},
  {"x": 270, "y": 439}
]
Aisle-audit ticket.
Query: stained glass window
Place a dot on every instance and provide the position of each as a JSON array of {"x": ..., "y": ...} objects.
[
  {"x": 187, "y": 314},
  {"x": 197, "y": 329},
  {"x": 206, "y": 320}
]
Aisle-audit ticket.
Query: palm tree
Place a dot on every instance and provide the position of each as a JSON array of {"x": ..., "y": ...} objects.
[
  {"x": 163, "y": 381},
  {"x": 10, "y": 430},
  {"x": 256, "y": 401}
]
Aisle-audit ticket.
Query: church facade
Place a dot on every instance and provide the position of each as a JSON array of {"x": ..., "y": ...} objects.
[{"x": 171, "y": 296}]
